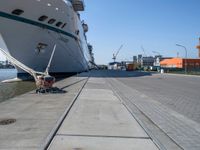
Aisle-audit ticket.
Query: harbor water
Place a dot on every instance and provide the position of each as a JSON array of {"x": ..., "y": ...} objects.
[{"x": 10, "y": 90}]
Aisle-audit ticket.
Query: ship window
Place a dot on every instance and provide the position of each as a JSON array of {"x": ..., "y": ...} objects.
[
  {"x": 17, "y": 12},
  {"x": 58, "y": 24},
  {"x": 64, "y": 25},
  {"x": 51, "y": 21},
  {"x": 77, "y": 32},
  {"x": 79, "y": 16},
  {"x": 42, "y": 18}
]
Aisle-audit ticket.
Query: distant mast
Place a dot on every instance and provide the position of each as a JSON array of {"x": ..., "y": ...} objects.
[{"x": 198, "y": 47}]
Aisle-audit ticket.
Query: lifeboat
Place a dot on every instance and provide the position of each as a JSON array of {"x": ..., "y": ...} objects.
[
  {"x": 78, "y": 5},
  {"x": 85, "y": 27}
]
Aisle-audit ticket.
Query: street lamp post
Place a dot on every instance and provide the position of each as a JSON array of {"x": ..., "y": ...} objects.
[{"x": 185, "y": 56}]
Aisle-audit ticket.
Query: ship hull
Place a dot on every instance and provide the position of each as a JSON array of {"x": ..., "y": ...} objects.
[{"x": 23, "y": 35}]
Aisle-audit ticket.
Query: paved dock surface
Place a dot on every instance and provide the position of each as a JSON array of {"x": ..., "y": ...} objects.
[
  {"x": 98, "y": 120},
  {"x": 158, "y": 102},
  {"x": 170, "y": 102},
  {"x": 36, "y": 115},
  {"x": 110, "y": 110}
]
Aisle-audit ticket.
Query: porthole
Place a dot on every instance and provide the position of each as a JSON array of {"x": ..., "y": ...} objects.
[
  {"x": 51, "y": 21},
  {"x": 77, "y": 32},
  {"x": 64, "y": 25},
  {"x": 17, "y": 12},
  {"x": 58, "y": 24},
  {"x": 42, "y": 18}
]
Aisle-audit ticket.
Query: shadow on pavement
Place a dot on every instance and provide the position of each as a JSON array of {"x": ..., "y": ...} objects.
[
  {"x": 72, "y": 84},
  {"x": 114, "y": 74}
]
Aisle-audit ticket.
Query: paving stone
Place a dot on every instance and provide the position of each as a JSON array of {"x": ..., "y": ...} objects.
[
  {"x": 98, "y": 120},
  {"x": 180, "y": 128}
]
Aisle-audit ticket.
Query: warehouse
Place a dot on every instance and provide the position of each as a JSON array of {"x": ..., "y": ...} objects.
[{"x": 181, "y": 63}]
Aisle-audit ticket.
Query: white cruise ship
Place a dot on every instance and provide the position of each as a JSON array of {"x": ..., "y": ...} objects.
[{"x": 31, "y": 28}]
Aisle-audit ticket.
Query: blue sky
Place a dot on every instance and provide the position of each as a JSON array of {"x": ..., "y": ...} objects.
[{"x": 157, "y": 25}]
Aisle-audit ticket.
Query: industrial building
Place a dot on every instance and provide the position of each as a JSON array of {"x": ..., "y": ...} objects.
[
  {"x": 148, "y": 61},
  {"x": 181, "y": 63},
  {"x": 114, "y": 65}
]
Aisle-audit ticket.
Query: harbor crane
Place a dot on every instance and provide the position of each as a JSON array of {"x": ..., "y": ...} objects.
[
  {"x": 143, "y": 51},
  {"x": 116, "y": 54}
]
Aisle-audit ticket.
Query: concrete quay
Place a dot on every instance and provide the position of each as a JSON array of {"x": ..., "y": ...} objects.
[
  {"x": 99, "y": 121},
  {"x": 159, "y": 103},
  {"x": 37, "y": 116},
  {"x": 104, "y": 110},
  {"x": 88, "y": 116}
]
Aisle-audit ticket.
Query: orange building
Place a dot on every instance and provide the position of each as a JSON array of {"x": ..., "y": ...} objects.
[{"x": 180, "y": 63}]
